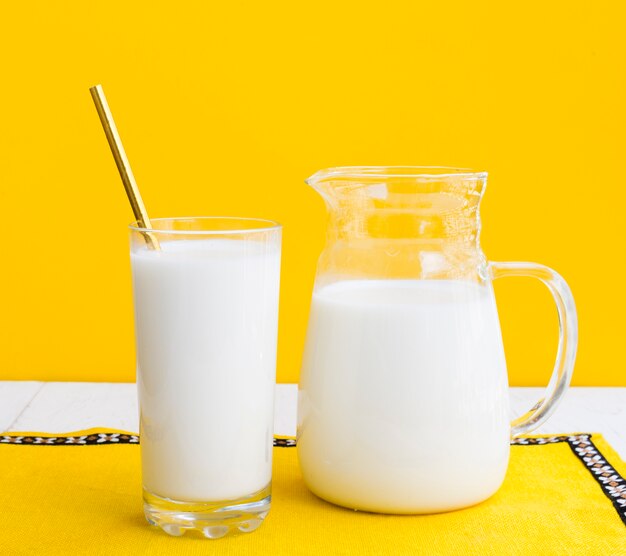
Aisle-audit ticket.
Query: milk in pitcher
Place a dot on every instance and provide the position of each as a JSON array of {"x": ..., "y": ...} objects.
[{"x": 403, "y": 402}]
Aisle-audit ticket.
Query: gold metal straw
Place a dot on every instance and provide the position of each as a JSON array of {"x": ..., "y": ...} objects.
[{"x": 121, "y": 161}]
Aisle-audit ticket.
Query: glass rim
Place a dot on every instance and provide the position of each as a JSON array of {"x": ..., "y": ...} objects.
[
  {"x": 263, "y": 225},
  {"x": 393, "y": 172}
]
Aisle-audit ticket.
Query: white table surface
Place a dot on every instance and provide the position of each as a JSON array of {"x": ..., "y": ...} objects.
[{"x": 70, "y": 406}]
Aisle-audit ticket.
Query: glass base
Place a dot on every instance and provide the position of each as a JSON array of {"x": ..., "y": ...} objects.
[{"x": 212, "y": 519}]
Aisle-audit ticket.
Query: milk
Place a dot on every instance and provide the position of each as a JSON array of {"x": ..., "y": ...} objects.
[
  {"x": 206, "y": 324},
  {"x": 403, "y": 401}
]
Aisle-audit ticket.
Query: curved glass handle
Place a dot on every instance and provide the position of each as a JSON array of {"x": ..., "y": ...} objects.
[{"x": 568, "y": 340}]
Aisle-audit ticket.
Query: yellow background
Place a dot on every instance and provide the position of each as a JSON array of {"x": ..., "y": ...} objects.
[{"x": 225, "y": 108}]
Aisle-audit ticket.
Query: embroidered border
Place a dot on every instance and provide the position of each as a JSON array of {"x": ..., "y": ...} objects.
[
  {"x": 611, "y": 482},
  {"x": 97, "y": 438},
  {"x": 540, "y": 441},
  {"x": 100, "y": 438},
  {"x": 285, "y": 442}
]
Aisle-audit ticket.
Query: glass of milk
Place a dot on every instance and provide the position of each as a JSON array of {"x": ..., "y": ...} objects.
[
  {"x": 403, "y": 398},
  {"x": 206, "y": 312}
]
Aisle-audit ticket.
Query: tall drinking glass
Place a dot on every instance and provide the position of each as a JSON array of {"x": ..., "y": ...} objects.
[{"x": 206, "y": 313}]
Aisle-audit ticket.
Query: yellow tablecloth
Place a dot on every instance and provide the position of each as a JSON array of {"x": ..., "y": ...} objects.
[{"x": 86, "y": 499}]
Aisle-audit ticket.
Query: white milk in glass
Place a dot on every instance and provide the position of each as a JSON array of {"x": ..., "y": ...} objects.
[
  {"x": 206, "y": 324},
  {"x": 403, "y": 403}
]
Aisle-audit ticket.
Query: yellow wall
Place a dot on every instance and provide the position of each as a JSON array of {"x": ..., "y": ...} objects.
[{"x": 226, "y": 107}]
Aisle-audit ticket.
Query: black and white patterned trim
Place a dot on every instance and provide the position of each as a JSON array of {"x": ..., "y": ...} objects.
[
  {"x": 539, "y": 441},
  {"x": 285, "y": 442},
  {"x": 100, "y": 439},
  {"x": 93, "y": 439},
  {"x": 611, "y": 482}
]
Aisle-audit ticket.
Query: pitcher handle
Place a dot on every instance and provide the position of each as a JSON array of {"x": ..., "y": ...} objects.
[{"x": 568, "y": 340}]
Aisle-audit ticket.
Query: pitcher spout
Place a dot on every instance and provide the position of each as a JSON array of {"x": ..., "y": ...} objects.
[
  {"x": 405, "y": 220},
  {"x": 345, "y": 178},
  {"x": 402, "y": 201}
]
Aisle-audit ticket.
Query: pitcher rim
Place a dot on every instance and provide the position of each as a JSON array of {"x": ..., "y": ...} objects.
[{"x": 393, "y": 172}]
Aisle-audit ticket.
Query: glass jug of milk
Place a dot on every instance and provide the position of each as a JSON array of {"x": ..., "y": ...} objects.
[{"x": 403, "y": 398}]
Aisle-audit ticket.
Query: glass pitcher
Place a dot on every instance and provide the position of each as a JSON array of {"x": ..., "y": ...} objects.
[{"x": 403, "y": 400}]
